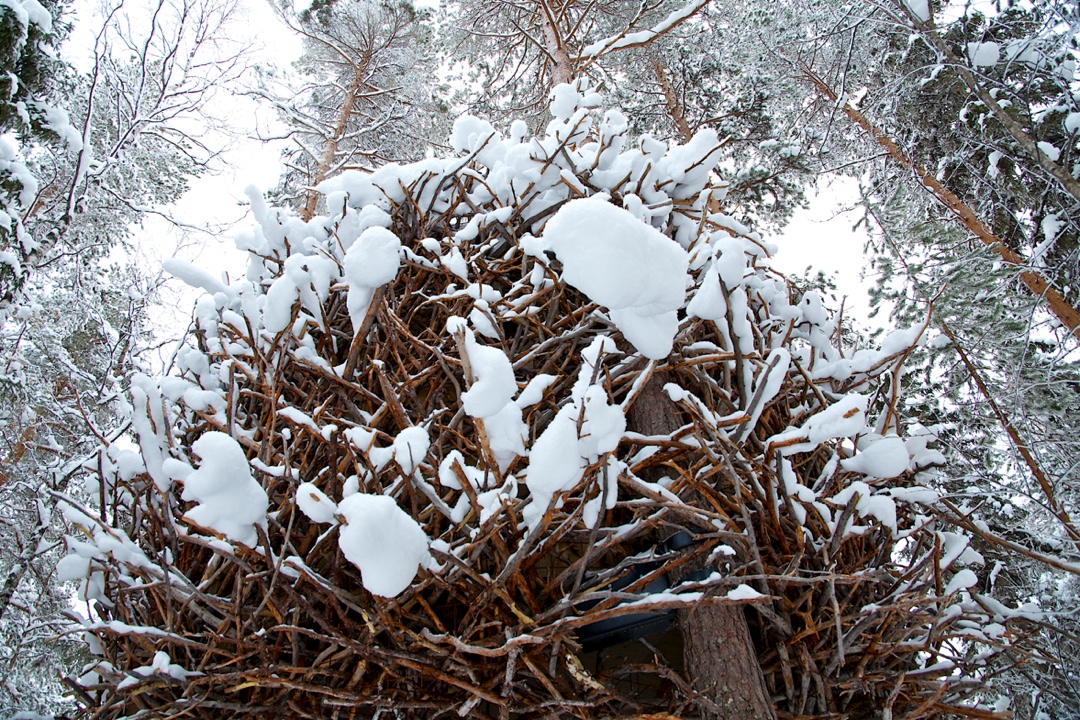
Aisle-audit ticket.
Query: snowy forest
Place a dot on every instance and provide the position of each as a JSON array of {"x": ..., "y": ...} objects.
[{"x": 507, "y": 411}]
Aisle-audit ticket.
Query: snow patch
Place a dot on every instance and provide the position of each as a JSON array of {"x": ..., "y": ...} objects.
[
  {"x": 230, "y": 501},
  {"x": 618, "y": 261},
  {"x": 384, "y": 542},
  {"x": 370, "y": 262}
]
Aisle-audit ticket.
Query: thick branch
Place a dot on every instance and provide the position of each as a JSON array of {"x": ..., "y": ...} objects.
[
  {"x": 1070, "y": 184},
  {"x": 1035, "y": 281}
]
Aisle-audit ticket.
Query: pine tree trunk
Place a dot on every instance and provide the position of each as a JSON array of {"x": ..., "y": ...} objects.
[
  {"x": 322, "y": 169},
  {"x": 562, "y": 67},
  {"x": 671, "y": 99},
  {"x": 1039, "y": 285},
  {"x": 719, "y": 654},
  {"x": 722, "y": 664}
]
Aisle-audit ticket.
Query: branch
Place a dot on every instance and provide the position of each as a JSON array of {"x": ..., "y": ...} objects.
[{"x": 1034, "y": 280}]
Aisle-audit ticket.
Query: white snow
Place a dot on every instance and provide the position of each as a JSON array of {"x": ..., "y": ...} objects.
[
  {"x": 534, "y": 391},
  {"x": 643, "y": 36},
  {"x": 983, "y": 54},
  {"x": 554, "y": 462},
  {"x": 314, "y": 503},
  {"x": 560, "y": 455},
  {"x": 370, "y": 262},
  {"x": 620, "y": 262},
  {"x": 30, "y": 12},
  {"x": 59, "y": 122},
  {"x": 490, "y": 399},
  {"x": 899, "y": 340},
  {"x": 299, "y": 417},
  {"x": 383, "y": 541},
  {"x": 883, "y": 458},
  {"x": 955, "y": 548},
  {"x": 471, "y": 134},
  {"x": 493, "y": 379},
  {"x": 743, "y": 592},
  {"x": 230, "y": 501},
  {"x": 1049, "y": 151},
  {"x": 193, "y": 276},
  {"x": 162, "y": 664},
  {"x": 506, "y": 432},
  {"x": 410, "y": 448},
  {"x": 961, "y": 581},
  {"x": 564, "y": 101},
  {"x": 768, "y": 384},
  {"x": 844, "y": 418}
]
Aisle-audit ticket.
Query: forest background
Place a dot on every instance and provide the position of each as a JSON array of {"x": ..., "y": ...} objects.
[{"x": 958, "y": 123}]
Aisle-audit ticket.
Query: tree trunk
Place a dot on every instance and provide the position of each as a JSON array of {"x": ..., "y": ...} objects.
[
  {"x": 322, "y": 168},
  {"x": 562, "y": 67},
  {"x": 722, "y": 664},
  {"x": 671, "y": 99},
  {"x": 719, "y": 654}
]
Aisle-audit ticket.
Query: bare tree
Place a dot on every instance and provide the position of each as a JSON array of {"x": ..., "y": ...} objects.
[{"x": 77, "y": 320}]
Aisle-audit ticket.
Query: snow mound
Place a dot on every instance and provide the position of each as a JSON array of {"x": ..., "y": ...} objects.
[
  {"x": 983, "y": 54},
  {"x": 380, "y": 539},
  {"x": 230, "y": 501},
  {"x": 618, "y": 261},
  {"x": 883, "y": 458},
  {"x": 370, "y": 262},
  {"x": 314, "y": 503}
]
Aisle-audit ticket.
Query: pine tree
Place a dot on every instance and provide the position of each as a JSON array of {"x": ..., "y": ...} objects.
[
  {"x": 30, "y": 35},
  {"x": 362, "y": 94}
]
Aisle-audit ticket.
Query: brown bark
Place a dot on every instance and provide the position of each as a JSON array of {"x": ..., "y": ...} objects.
[
  {"x": 719, "y": 654},
  {"x": 1039, "y": 285},
  {"x": 675, "y": 108},
  {"x": 562, "y": 70},
  {"x": 723, "y": 665},
  {"x": 330, "y": 151}
]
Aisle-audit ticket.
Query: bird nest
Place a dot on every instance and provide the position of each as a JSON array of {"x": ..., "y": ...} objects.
[{"x": 717, "y": 495}]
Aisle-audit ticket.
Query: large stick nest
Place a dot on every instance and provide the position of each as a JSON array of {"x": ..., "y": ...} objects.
[{"x": 848, "y": 618}]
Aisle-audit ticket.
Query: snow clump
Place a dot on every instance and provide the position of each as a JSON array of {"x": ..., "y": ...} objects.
[
  {"x": 632, "y": 268},
  {"x": 370, "y": 262},
  {"x": 383, "y": 541},
  {"x": 230, "y": 501},
  {"x": 983, "y": 54}
]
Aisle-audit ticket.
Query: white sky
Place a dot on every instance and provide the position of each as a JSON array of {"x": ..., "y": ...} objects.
[{"x": 821, "y": 238}]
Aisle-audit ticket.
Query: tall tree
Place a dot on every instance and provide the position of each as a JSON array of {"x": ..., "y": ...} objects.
[
  {"x": 515, "y": 53},
  {"x": 999, "y": 386},
  {"x": 78, "y": 318},
  {"x": 30, "y": 35},
  {"x": 362, "y": 94}
]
